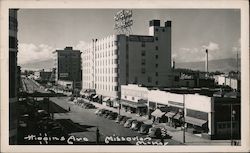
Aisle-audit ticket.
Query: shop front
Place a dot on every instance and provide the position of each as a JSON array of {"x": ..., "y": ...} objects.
[
  {"x": 139, "y": 107},
  {"x": 158, "y": 116}
]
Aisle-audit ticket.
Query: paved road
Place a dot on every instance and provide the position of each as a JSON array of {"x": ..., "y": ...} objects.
[
  {"x": 31, "y": 86},
  {"x": 87, "y": 122}
]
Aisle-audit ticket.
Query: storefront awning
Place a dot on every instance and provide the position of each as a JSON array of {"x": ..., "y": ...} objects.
[
  {"x": 194, "y": 121},
  {"x": 157, "y": 113},
  {"x": 170, "y": 114},
  {"x": 106, "y": 99},
  {"x": 132, "y": 104},
  {"x": 177, "y": 116}
]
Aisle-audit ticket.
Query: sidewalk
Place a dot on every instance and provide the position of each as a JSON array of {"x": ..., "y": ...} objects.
[{"x": 190, "y": 139}]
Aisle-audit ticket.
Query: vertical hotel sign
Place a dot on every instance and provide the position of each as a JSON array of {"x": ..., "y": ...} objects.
[{"x": 123, "y": 21}]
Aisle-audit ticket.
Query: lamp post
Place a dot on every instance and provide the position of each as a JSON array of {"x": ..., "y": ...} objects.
[
  {"x": 232, "y": 119},
  {"x": 119, "y": 106}
]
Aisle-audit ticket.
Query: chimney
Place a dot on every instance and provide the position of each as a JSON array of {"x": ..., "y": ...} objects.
[{"x": 206, "y": 63}]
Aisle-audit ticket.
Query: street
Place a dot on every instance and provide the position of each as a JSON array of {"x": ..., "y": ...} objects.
[
  {"x": 83, "y": 123},
  {"x": 31, "y": 86},
  {"x": 87, "y": 123}
]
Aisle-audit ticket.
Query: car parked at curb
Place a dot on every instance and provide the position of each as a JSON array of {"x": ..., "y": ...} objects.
[
  {"x": 119, "y": 118},
  {"x": 144, "y": 129},
  {"x": 112, "y": 115},
  {"x": 136, "y": 125},
  {"x": 128, "y": 123},
  {"x": 124, "y": 120}
]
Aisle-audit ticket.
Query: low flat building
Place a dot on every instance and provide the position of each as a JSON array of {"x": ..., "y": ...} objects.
[
  {"x": 134, "y": 99},
  {"x": 204, "y": 113},
  {"x": 225, "y": 80},
  {"x": 42, "y": 75}
]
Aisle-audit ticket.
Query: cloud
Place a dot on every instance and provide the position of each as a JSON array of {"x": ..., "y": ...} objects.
[
  {"x": 30, "y": 52},
  {"x": 188, "y": 54},
  {"x": 81, "y": 45},
  {"x": 211, "y": 46}
]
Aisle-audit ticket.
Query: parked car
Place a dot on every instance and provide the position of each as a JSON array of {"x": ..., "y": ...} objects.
[
  {"x": 106, "y": 114},
  {"x": 101, "y": 112},
  {"x": 119, "y": 118},
  {"x": 128, "y": 123},
  {"x": 42, "y": 114},
  {"x": 144, "y": 129},
  {"x": 89, "y": 106},
  {"x": 98, "y": 111},
  {"x": 112, "y": 116},
  {"x": 124, "y": 120},
  {"x": 136, "y": 125},
  {"x": 156, "y": 132}
]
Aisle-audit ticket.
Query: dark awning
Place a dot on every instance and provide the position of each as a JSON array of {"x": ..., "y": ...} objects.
[
  {"x": 132, "y": 104},
  {"x": 157, "y": 113},
  {"x": 194, "y": 121}
]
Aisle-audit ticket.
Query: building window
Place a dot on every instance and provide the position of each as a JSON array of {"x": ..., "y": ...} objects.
[
  {"x": 143, "y": 53},
  {"x": 156, "y": 73},
  {"x": 156, "y": 38},
  {"x": 135, "y": 80},
  {"x": 156, "y": 65},
  {"x": 143, "y": 70},
  {"x": 156, "y": 56},
  {"x": 149, "y": 79},
  {"x": 156, "y": 29},
  {"x": 12, "y": 42},
  {"x": 143, "y": 61},
  {"x": 143, "y": 44},
  {"x": 156, "y": 47},
  {"x": 156, "y": 82},
  {"x": 116, "y": 79},
  {"x": 163, "y": 30},
  {"x": 116, "y": 88}
]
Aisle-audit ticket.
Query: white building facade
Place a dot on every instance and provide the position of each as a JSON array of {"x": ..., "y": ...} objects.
[{"x": 118, "y": 60}]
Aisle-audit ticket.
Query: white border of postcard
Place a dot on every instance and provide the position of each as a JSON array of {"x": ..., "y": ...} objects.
[{"x": 243, "y": 5}]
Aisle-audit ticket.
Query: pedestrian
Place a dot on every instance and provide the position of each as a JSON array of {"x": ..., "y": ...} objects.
[
  {"x": 162, "y": 140},
  {"x": 97, "y": 136}
]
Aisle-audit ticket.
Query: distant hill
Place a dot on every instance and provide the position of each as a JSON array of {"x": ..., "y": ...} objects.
[
  {"x": 223, "y": 65},
  {"x": 38, "y": 65}
]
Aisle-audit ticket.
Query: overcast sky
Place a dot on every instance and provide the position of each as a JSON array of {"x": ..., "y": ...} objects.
[{"x": 41, "y": 31}]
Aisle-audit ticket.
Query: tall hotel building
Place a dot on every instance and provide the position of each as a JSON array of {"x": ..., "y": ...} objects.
[
  {"x": 118, "y": 60},
  {"x": 68, "y": 70},
  {"x": 13, "y": 86}
]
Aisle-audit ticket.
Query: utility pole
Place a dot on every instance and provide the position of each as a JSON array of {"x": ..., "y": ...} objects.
[
  {"x": 237, "y": 62},
  {"x": 184, "y": 118},
  {"x": 232, "y": 119}
]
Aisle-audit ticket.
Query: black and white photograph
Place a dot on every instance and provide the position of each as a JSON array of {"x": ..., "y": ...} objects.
[{"x": 126, "y": 76}]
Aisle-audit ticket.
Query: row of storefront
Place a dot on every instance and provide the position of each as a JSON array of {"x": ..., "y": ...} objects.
[{"x": 195, "y": 110}]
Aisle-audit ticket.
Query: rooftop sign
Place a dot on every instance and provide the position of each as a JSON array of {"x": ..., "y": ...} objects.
[{"x": 123, "y": 21}]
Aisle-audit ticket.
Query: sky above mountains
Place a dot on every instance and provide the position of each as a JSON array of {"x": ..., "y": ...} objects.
[{"x": 42, "y": 31}]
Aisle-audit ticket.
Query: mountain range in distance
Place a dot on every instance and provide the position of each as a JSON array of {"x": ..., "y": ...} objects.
[{"x": 222, "y": 65}]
